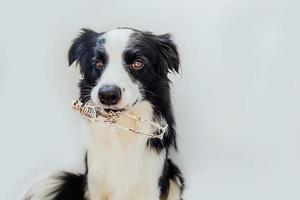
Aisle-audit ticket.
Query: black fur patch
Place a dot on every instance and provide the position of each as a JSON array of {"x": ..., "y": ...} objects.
[
  {"x": 72, "y": 187},
  {"x": 170, "y": 172}
]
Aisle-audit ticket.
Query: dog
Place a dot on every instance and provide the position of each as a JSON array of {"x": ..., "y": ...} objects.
[{"x": 124, "y": 70}]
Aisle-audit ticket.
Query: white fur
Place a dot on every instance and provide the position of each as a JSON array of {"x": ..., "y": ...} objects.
[
  {"x": 114, "y": 73},
  {"x": 121, "y": 167}
]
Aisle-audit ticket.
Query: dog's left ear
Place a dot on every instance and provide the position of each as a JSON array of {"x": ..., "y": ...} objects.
[{"x": 169, "y": 52}]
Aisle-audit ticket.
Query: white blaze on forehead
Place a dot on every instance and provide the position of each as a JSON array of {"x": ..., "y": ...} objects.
[{"x": 115, "y": 43}]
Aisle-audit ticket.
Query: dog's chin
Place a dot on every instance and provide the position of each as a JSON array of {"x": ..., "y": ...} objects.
[{"x": 117, "y": 108}]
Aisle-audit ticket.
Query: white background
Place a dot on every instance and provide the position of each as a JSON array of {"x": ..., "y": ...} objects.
[{"x": 236, "y": 101}]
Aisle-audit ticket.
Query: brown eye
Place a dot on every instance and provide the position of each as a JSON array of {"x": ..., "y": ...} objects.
[
  {"x": 99, "y": 64},
  {"x": 137, "y": 64}
]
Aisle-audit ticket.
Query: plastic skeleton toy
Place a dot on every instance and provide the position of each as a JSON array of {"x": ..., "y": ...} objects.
[{"x": 93, "y": 112}]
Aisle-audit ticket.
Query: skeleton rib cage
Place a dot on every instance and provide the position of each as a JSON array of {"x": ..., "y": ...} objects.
[{"x": 93, "y": 112}]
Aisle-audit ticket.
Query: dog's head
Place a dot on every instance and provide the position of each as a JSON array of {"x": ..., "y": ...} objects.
[{"x": 123, "y": 67}]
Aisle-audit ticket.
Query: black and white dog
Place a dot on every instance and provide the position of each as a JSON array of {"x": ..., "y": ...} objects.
[{"x": 123, "y": 70}]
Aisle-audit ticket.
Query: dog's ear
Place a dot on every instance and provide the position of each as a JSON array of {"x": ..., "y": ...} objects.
[
  {"x": 81, "y": 45},
  {"x": 169, "y": 52}
]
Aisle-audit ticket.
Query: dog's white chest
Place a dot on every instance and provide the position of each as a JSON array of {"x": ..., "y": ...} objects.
[{"x": 120, "y": 166}]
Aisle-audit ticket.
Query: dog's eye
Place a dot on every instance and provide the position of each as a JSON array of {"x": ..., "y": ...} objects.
[
  {"x": 137, "y": 64},
  {"x": 99, "y": 64}
]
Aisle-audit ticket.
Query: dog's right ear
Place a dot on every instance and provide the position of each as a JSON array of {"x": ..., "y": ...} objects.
[{"x": 81, "y": 45}]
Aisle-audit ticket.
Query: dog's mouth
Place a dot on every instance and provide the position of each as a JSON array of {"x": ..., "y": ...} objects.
[
  {"x": 123, "y": 109},
  {"x": 115, "y": 110}
]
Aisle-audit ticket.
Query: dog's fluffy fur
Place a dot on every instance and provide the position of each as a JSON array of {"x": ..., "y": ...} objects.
[{"x": 121, "y": 165}]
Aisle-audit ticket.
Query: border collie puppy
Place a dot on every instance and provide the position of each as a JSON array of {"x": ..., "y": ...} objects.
[{"x": 123, "y": 70}]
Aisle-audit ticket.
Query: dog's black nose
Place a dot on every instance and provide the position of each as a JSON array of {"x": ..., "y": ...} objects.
[{"x": 109, "y": 95}]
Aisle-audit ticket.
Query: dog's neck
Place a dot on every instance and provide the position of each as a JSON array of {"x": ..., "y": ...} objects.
[{"x": 117, "y": 158}]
